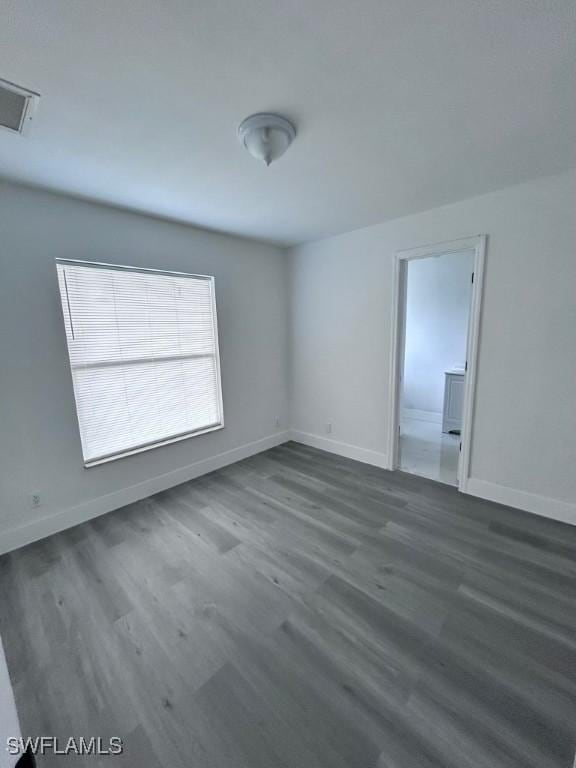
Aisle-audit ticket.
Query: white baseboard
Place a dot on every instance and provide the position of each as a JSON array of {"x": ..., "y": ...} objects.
[
  {"x": 413, "y": 413},
  {"x": 375, "y": 458},
  {"x": 529, "y": 502},
  {"x": 545, "y": 506},
  {"x": 66, "y": 518},
  {"x": 46, "y": 526}
]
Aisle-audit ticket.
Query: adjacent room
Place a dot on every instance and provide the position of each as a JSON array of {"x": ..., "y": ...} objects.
[
  {"x": 287, "y": 374},
  {"x": 435, "y": 348}
]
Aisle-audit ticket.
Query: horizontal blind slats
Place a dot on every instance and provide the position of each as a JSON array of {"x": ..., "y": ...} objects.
[{"x": 143, "y": 354}]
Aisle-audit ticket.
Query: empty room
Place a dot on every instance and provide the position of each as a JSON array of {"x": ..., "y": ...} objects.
[{"x": 287, "y": 384}]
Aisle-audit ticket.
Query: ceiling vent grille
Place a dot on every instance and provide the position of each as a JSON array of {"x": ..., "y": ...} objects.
[{"x": 17, "y": 106}]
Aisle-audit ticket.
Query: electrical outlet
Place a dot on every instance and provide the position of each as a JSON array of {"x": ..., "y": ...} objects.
[
  {"x": 329, "y": 428},
  {"x": 35, "y": 499},
  {"x": 277, "y": 422}
]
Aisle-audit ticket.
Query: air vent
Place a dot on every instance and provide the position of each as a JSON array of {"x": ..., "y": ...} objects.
[{"x": 16, "y": 106}]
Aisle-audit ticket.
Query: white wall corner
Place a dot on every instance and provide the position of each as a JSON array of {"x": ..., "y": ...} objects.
[
  {"x": 555, "y": 509},
  {"x": 365, "y": 455},
  {"x": 71, "y": 516}
]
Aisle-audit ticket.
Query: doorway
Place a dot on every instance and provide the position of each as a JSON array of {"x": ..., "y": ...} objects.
[{"x": 437, "y": 299}]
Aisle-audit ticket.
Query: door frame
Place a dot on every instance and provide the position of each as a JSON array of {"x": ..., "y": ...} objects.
[{"x": 477, "y": 244}]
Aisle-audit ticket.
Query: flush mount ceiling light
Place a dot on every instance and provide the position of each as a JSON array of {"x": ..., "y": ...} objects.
[{"x": 266, "y": 136}]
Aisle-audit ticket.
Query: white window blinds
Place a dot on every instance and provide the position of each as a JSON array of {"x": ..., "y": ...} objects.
[{"x": 143, "y": 348}]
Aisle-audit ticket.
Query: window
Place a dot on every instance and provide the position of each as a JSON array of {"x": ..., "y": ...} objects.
[{"x": 143, "y": 348}]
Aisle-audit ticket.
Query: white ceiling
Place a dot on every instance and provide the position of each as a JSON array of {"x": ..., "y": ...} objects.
[{"x": 400, "y": 105}]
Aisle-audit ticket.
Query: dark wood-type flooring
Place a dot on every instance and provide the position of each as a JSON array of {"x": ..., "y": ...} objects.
[{"x": 300, "y": 610}]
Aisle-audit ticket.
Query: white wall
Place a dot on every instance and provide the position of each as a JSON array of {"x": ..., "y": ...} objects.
[
  {"x": 524, "y": 442},
  {"x": 437, "y": 309},
  {"x": 39, "y": 439},
  {"x": 524, "y": 432}
]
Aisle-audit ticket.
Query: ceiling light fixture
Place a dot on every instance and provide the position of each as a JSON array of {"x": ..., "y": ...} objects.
[{"x": 266, "y": 136}]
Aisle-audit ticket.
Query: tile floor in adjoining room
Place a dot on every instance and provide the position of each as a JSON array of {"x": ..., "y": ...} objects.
[{"x": 426, "y": 451}]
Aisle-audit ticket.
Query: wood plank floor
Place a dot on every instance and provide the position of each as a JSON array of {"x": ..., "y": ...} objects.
[{"x": 300, "y": 610}]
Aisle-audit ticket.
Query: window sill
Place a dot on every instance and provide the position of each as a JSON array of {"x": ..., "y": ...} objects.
[{"x": 151, "y": 446}]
